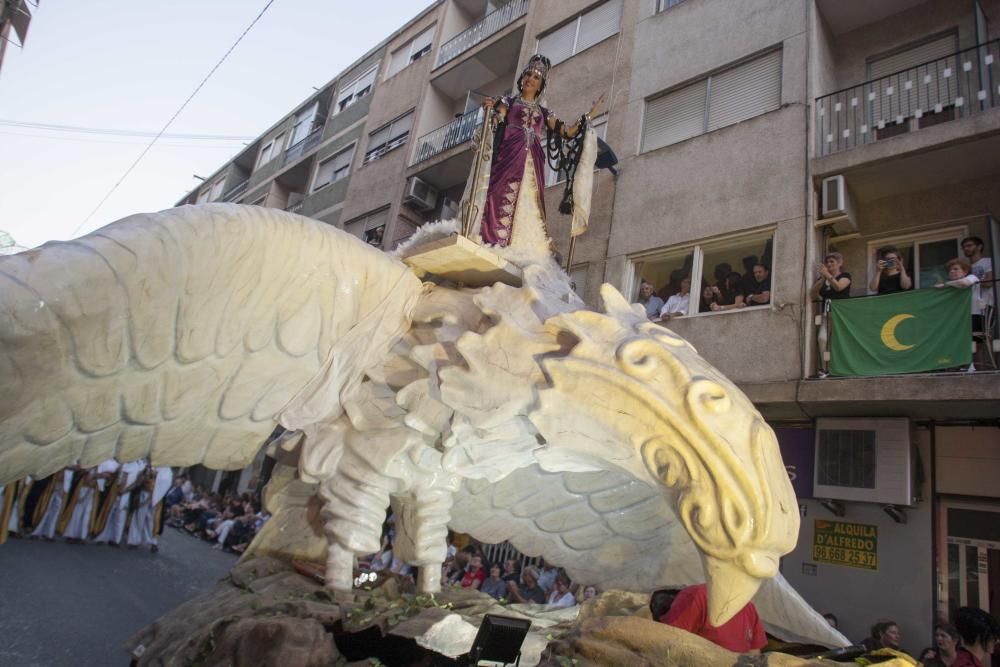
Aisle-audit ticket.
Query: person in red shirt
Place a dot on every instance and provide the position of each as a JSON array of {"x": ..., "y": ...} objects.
[
  {"x": 743, "y": 633},
  {"x": 979, "y": 632},
  {"x": 474, "y": 575}
]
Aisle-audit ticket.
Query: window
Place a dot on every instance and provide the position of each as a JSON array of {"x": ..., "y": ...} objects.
[
  {"x": 270, "y": 150},
  {"x": 707, "y": 264},
  {"x": 390, "y": 136},
  {"x": 203, "y": 196},
  {"x": 919, "y": 79},
  {"x": 216, "y": 193},
  {"x": 664, "y": 5},
  {"x": 404, "y": 230},
  {"x": 731, "y": 96},
  {"x": 333, "y": 168},
  {"x": 581, "y": 33},
  {"x": 578, "y": 279},
  {"x": 304, "y": 123},
  {"x": 600, "y": 125},
  {"x": 355, "y": 90},
  {"x": 370, "y": 227},
  {"x": 411, "y": 52},
  {"x": 924, "y": 255}
]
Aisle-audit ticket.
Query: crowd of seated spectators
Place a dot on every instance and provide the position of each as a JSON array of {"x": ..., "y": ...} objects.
[
  {"x": 229, "y": 521},
  {"x": 729, "y": 291}
]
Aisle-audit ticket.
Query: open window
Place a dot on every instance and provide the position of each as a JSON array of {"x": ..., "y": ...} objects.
[
  {"x": 924, "y": 255},
  {"x": 708, "y": 264}
]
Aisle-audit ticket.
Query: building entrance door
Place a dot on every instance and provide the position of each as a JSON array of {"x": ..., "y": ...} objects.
[{"x": 973, "y": 556}]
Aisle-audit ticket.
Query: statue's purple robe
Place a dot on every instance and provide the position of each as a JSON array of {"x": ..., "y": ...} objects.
[{"x": 522, "y": 137}]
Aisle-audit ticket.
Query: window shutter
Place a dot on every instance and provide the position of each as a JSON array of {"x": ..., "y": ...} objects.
[
  {"x": 376, "y": 219},
  {"x": 557, "y": 46},
  {"x": 400, "y": 58},
  {"x": 356, "y": 227},
  {"x": 890, "y": 97},
  {"x": 917, "y": 55},
  {"x": 422, "y": 41},
  {"x": 341, "y": 159},
  {"x": 378, "y": 138},
  {"x": 674, "y": 117},
  {"x": 599, "y": 24},
  {"x": 325, "y": 173},
  {"x": 402, "y": 126},
  {"x": 745, "y": 91}
]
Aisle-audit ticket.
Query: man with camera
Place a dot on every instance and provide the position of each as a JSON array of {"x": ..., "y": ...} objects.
[{"x": 891, "y": 276}]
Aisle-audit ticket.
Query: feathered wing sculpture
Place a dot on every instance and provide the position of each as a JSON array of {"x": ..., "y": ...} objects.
[
  {"x": 180, "y": 335},
  {"x": 595, "y": 438}
]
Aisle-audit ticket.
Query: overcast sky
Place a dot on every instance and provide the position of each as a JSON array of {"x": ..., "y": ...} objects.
[{"x": 129, "y": 65}]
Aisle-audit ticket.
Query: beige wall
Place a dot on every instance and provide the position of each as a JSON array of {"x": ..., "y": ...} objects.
[
  {"x": 901, "y": 589},
  {"x": 850, "y": 51},
  {"x": 968, "y": 461}
]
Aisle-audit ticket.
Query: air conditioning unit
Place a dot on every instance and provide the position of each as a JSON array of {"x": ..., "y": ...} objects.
[
  {"x": 864, "y": 460},
  {"x": 420, "y": 195},
  {"x": 449, "y": 209},
  {"x": 836, "y": 207}
]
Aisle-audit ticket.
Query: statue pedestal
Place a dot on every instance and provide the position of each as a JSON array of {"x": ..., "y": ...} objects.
[{"x": 462, "y": 261}]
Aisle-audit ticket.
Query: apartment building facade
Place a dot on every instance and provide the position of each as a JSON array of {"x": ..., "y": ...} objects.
[{"x": 767, "y": 131}]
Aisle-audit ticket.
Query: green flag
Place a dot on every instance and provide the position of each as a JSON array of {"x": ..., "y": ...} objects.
[{"x": 908, "y": 332}]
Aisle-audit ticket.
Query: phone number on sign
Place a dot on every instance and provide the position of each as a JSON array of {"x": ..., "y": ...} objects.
[{"x": 852, "y": 557}]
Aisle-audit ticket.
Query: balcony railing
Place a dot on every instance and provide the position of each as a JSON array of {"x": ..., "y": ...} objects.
[
  {"x": 235, "y": 192},
  {"x": 453, "y": 134},
  {"x": 295, "y": 151},
  {"x": 962, "y": 84},
  {"x": 490, "y": 25}
]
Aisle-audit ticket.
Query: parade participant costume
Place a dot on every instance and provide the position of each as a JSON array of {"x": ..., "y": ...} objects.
[
  {"x": 514, "y": 210},
  {"x": 106, "y": 497},
  {"x": 80, "y": 517},
  {"x": 162, "y": 484},
  {"x": 115, "y": 527},
  {"x": 70, "y": 501},
  {"x": 48, "y": 513}
]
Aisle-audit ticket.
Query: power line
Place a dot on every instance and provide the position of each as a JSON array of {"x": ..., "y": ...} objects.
[
  {"x": 228, "y": 147},
  {"x": 172, "y": 118},
  {"x": 120, "y": 133}
]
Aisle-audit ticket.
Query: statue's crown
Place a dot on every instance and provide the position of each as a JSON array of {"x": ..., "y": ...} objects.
[{"x": 538, "y": 64}]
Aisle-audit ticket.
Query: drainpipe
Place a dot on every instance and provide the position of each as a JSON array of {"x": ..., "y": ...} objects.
[{"x": 807, "y": 309}]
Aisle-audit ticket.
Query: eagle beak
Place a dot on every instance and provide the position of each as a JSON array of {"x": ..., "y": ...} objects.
[{"x": 730, "y": 588}]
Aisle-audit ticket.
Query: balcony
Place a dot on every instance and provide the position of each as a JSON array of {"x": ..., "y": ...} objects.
[
  {"x": 296, "y": 151},
  {"x": 236, "y": 191},
  {"x": 490, "y": 25},
  {"x": 453, "y": 134},
  {"x": 958, "y": 86}
]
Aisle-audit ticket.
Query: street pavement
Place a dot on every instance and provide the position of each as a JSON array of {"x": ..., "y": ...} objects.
[{"x": 65, "y": 604}]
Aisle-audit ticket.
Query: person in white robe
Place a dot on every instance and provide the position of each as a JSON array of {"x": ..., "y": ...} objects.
[
  {"x": 78, "y": 528},
  {"x": 140, "y": 521},
  {"x": 47, "y": 526},
  {"x": 164, "y": 481},
  {"x": 114, "y": 529}
]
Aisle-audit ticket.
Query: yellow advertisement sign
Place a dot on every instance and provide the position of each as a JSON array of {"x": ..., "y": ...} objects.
[{"x": 843, "y": 543}]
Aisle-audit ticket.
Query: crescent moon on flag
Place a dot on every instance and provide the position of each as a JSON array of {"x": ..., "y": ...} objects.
[{"x": 889, "y": 332}]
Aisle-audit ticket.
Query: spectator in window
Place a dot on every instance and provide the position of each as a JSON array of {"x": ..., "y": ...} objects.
[
  {"x": 760, "y": 293},
  {"x": 979, "y": 632},
  {"x": 530, "y": 591},
  {"x": 494, "y": 586},
  {"x": 743, "y": 633},
  {"x": 890, "y": 275},
  {"x": 731, "y": 293},
  {"x": 677, "y": 305},
  {"x": 711, "y": 299},
  {"x": 982, "y": 267},
  {"x": 652, "y": 303},
  {"x": 960, "y": 276},
  {"x": 833, "y": 282},
  {"x": 561, "y": 595}
]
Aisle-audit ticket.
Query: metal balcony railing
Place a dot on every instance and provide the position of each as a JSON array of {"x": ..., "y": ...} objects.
[
  {"x": 491, "y": 24},
  {"x": 235, "y": 192},
  {"x": 453, "y": 134},
  {"x": 295, "y": 151},
  {"x": 962, "y": 84}
]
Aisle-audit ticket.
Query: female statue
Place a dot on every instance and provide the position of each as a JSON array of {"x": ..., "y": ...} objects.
[{"x": 514, "y": 197}]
